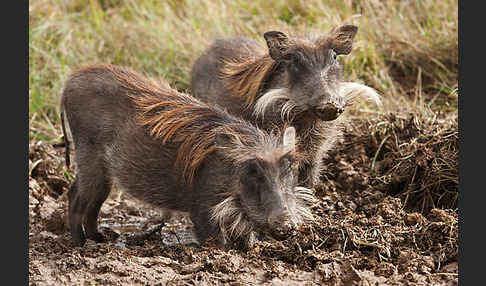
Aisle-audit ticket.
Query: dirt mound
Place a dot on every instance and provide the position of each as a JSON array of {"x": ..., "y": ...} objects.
[
  {"x": 370, "y": 227},
  {"x": 410, "y": 157}
]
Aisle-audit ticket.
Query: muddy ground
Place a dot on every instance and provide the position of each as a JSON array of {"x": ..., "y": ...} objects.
[{"x": 387, "y": 215}]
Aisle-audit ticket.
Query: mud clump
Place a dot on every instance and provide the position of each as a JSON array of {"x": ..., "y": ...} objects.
[
  {"x": 47, "y": 184},
  {"x": 46, "y": 167}
]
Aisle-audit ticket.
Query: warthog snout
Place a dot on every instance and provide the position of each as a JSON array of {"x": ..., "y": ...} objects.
[
  {"x": 280, "y": 220},
  {"x": 329, "y": 112}
]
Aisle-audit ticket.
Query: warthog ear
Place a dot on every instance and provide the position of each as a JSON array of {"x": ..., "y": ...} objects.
[
  {"x": 342, "y": 39},
  {"x": 289, "y": 139},
  {"x": 277, "y": 43}
]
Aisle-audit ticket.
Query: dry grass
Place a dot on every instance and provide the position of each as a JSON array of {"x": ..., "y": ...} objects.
[
  {"x": 419, "y": 161},
  {"x": 401, "y": 47},
  {"x": 408, "y": 156}
]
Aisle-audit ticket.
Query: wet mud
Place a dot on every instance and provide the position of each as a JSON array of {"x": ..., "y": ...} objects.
[{"x": 377, "y": 224}]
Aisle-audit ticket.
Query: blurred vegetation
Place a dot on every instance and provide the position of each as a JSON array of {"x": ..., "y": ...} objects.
[{"x": 407, "y": 50}]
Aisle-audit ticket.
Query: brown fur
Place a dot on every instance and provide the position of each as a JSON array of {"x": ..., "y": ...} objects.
[
  {"x": 245, "y": 77},
  {"x": 178, "y": 118},
  {"x": 172, "y": 125},
  {"x": 169, "y": 121},
  {"x": 129, "y": 79}
]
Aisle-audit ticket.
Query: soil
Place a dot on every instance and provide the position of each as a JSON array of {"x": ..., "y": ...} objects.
[{"x": 373, "y": 226}]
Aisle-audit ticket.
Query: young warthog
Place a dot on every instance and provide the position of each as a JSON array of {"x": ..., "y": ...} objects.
[
  {"x": 293, "y": 80},
  {"x": 175, "y": 152}
]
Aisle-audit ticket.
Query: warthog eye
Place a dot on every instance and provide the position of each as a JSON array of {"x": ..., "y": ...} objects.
[{"x": 333, "y": 55}]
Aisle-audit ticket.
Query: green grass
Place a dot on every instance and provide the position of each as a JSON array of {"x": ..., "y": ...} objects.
[{"x": 408, "y": 50}]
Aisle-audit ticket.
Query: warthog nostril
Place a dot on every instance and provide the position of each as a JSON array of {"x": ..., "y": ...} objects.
[{"x": 329, "y": 112}]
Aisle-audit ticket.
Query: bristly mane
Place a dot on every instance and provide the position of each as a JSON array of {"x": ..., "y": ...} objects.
[
  {"x": 177, "y": 117},
  {"x": 127, "y": 78},
  {"x": 245, "y": 76}
]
